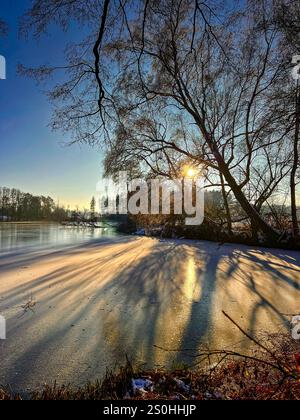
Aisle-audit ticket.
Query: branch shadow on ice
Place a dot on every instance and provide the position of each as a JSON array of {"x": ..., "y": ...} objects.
[{"x": 170, "y": 294}]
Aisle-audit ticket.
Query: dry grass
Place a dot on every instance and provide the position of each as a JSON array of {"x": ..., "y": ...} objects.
[{"x": 272, "y": 371}]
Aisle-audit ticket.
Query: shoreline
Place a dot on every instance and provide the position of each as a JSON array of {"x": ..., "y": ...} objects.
[
  {"x": 235, "y": 377},
  {"x": 234, "y": 241}
]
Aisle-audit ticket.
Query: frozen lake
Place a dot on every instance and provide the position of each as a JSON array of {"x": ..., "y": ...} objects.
[
  {"x": 99, "y": 297},
  {"x": 14, "y": 236}
]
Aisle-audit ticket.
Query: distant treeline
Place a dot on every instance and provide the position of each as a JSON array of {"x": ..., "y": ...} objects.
[{"x": 16, "y": 205}]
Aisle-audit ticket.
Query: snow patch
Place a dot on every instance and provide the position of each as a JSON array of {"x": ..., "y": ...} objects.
[
  {"x": 182, "y": 385},
  {"x": 142, "y": 385}
]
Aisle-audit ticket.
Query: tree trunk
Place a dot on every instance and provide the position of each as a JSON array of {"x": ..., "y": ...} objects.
[
  {"x": 295, "y": 167},
  {"x": 227, "y": 210},
  {"x": 257, "y": 222}
]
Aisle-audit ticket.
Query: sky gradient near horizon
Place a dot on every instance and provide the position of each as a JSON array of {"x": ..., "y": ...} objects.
[{"x": 32, "y": 158}]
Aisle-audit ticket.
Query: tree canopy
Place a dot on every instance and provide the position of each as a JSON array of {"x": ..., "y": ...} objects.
[{"x": 161, "y": 83}]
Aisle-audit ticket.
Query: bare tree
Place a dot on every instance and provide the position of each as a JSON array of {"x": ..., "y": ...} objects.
[
  {"x": 295, "y": 165},
  {"x": 165, "y": 81},
  {"x": 286, "y": 100}
]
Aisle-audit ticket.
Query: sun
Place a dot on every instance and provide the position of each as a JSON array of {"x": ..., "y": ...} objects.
[{"x": 190, "y": 172}]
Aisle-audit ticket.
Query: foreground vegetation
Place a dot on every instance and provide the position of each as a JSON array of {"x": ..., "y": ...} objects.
[{"x": 271, "y": 371}]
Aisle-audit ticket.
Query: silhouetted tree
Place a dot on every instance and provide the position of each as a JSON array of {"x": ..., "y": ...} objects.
[
  {"x": 163, "y": 81},
  {"x": 93, "y": 209},
  {"x": 19, "y": 206}
]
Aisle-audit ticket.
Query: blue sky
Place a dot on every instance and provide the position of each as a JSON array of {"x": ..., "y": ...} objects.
[{"x": 32, "y": 158}]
